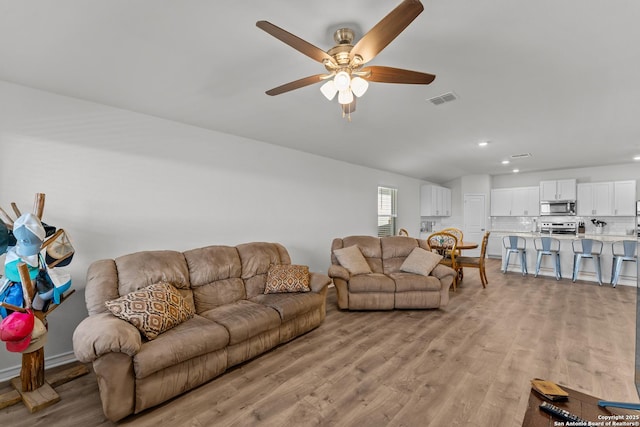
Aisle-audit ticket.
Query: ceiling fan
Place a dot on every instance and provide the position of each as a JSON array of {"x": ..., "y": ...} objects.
[{"x": 347, "y": 75}]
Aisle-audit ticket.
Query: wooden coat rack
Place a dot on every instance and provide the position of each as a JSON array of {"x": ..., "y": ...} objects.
[{"x": 32, "y": 387}]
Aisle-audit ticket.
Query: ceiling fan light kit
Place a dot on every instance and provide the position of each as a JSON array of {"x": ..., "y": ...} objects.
[{"x": 345, "y": 62}]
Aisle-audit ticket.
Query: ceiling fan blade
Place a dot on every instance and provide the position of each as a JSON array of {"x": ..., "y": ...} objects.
[
  {"x": 396, "y": 75},
  {"x": 306, "y": 81},
  {"x": 295, "y": 42},
  {"x": 386, "y": 30}
]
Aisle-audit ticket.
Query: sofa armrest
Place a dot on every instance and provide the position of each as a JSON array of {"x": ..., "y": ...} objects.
[
  {"x": 441, "y": 271},
  {"x": 339, "y": 272},
  {"x": 104, "y": 333},
  {"x": 318, "y": 281}
]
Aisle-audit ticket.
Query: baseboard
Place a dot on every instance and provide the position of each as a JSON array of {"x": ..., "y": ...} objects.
[{"x": 49, "y": 362}]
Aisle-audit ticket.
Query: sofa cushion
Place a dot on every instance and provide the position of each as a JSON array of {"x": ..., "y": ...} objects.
[
  {"x": 420, "y": 261},
  {"x": 368, "y": 245},
  {"x": 153, "y": 310},
  {"x": 290, "y": 305},
  {"x": 214, "y": 273},
  {"x": 406, "y": 282},
  {"x": 374, "y": 282},
  {"x": 244, "y": 319},
  {"x": 256, "y": 259},
  {"x": 395, "y": 249},
  {"x": 352, "y": 259},
  {"x": 140, "y": 269},
  {"x": 195, "y": 337},
  {"x": 287, "y": 278}
]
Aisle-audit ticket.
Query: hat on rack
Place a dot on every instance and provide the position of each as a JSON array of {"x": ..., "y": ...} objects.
[
  {"x": 29, "y": 234},
  {"x": 38, "y": 337},
  {"x": 61, "y": 282},
  {"x": 15, "y": 330},
  {"x": 12, "y": 260},
  {"x": 59, "y": 252},
  {"x": 4, "y": 237}
]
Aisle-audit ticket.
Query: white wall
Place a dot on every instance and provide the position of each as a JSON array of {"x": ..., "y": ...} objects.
[{"x": 121, "y": 182}]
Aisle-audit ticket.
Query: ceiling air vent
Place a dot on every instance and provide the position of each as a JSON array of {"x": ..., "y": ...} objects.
[
  {"x": 520, "y": 156},
  {"x": 445, "y": 97}
]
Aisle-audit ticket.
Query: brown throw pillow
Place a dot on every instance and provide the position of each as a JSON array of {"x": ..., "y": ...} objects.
[
  {"x": 153, "y": 310},
  {"x": 352, "y": 259},
  {"x": 420, "y": 261},
  {"x": 287, "y": 278}
]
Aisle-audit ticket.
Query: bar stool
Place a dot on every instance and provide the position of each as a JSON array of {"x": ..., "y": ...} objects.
[
  {"x": 623, "y": 250},
  {"x": 548, "y": 246},
  {"x": 586, "y": 248},
  {"x": 515, "y": 245}
]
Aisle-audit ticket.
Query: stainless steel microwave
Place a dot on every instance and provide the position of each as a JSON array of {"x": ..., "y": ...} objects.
[{"x": 566, "y": 207}]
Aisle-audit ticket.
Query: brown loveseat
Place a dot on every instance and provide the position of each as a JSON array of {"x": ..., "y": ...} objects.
[
  {"x": 382, "y": 284},
  {"x": 234, "y": 320}
]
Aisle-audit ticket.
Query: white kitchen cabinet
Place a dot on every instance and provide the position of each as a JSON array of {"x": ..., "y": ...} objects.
[
  {"x": 595, "y": 198},
  {"x": 435, "y": 201},
  {"x": 526, "y": 201},
  {"x": 560, "y": 189},
  {"x": 501, "y": 199},
  {"x": 624, "y": 198},
  {"x": 517, "y": 201}
]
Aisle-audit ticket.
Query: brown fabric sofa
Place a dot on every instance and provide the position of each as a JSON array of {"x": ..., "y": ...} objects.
[
  {"x": 234, "y": 320},
  {"x": 387, "y": 287}
]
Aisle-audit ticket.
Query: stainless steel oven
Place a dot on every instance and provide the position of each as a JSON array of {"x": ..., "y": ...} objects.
[
  {"x": 559, "y": 208},
  {"x": 568, "y": 227}
]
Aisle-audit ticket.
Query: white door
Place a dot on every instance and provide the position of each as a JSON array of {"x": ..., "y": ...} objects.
[{"x": 474, "y": 221}]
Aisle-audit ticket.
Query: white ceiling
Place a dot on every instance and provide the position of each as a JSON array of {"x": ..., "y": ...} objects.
[{"x": 555, "y": 78}]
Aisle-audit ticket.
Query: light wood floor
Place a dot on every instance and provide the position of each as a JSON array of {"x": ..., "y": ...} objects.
[{"x": 467, "y": 364}]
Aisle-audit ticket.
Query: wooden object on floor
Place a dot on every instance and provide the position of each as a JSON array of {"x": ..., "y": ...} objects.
[
  {"x": 477, "y": 262},
  {"x": 44, "y": 395},
  {"x": 9, "y": 398},
  {"x": 32, "y": 372},
  {"x": 580, "y": 404},
  {"x": 38, "y": 398}
]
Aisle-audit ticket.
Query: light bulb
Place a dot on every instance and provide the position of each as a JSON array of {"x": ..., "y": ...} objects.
[
  {"x": 345, "y": 96},
  {"x": 329, "y": 89},
  {"x": 359, "y": 86},
  {"x": 342, "y": 80}
]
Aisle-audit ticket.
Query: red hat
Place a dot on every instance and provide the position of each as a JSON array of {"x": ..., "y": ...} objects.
[{"x": 16, "y": 329}]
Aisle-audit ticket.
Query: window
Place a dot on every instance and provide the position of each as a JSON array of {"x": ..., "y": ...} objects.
[{"x": 387, "y": 211}]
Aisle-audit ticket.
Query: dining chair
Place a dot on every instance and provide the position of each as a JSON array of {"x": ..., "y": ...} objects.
[
  {"x": 403, "y": 232},
  {"x": 623, "y": 250},
  {"x": 456, "y": 232},
  {"x": 476, "y": 262},
  {"x": 445, "y": 244},
  {"x": 587, "y": 248},
  {"x": 548, "y": 246},
  {"x": 515, "y": 245}
]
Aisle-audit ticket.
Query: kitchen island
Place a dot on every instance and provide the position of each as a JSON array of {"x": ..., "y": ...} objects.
[{"x": 587, "y": 271}]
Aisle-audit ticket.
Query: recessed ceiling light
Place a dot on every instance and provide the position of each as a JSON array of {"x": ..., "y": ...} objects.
[
  {"x": 516, "y": 170},
  {"x": 483, "y": 143},
  {"x": 636, "y": 158},
  {"x": 505, "y": 162}
]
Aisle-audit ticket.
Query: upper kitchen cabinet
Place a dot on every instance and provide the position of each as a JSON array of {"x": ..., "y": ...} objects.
[
  {"x": 624, "y": 198},
  {"x": 526, "y": 201},
  {"x": 561, "y": 189},
  {"x": 607, "y": 198},
  {"x": 595, "y": 199},
  {"x": 435, "y": 201},
  {"x": 518, "y": 201}
]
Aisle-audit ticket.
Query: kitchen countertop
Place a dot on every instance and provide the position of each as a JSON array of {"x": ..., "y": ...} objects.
[{"x": 601, "y": 237}]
